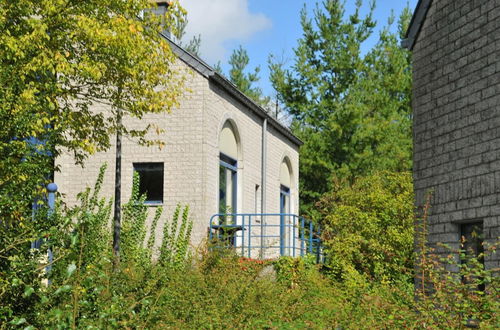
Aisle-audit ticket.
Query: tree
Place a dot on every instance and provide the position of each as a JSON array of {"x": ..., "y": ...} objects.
[
  {"x": 60, "y": 58},
  {"x": 245, "y": 81},
  {"x": 351, "y": 110}
]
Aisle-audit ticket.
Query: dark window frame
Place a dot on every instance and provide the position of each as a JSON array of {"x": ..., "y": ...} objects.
[{"x": 154, "y": 196}]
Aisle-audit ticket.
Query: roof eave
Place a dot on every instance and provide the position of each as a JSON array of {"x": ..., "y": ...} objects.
[
  {"x": 206, "y": 71},
  {"x": 257, "y": 109},
  {"x": 416, "y": 23}
]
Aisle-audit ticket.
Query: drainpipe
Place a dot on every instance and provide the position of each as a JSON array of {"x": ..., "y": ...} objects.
[{"x": 263, "y": 173}]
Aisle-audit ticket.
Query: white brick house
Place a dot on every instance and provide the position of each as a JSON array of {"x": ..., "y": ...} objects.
[{"x": 221, "y": 149}]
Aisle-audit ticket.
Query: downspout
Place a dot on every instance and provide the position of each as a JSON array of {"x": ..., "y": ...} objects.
[{"x": 263, "y": 186}]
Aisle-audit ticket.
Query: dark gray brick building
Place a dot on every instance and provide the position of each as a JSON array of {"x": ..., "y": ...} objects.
[{"x": 456, "y": 118}]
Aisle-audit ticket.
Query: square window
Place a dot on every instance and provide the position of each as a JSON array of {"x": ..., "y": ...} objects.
[{"x": 150, "y": 181}]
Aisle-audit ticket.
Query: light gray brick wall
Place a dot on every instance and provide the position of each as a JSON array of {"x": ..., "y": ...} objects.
[
  {"x": 456, "y": 103},
  {"x": 219, "y": 108},
  {"x": 191, "y": 157}
]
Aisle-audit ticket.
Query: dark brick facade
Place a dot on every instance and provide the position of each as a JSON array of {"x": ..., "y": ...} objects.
[{"x": 456, "y": 106}]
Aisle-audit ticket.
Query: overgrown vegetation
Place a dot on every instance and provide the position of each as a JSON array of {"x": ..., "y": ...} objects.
[
  {"x": 352, "y": 112},
  {"x": 367, "y": 228},
  {"x": 161, "y": 286},
  {"x": 60, "y": 60},
  {"x": 84, "y": 290}
]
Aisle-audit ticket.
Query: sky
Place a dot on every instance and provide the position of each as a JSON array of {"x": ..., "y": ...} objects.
[{"x": 262, "y": 27}]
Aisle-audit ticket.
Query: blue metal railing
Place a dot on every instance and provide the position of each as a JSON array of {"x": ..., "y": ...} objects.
[{"x": 268, "y": 235}]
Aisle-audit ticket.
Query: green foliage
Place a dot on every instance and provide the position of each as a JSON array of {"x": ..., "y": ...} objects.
[
  {"x": 453, "y": 288},
  {"x": 84, "y": 289},
  {"x": 133, "y": 231},
  {"x": 174, "y": 248},
  {"x": 351, "y": 110},
  {"x": 193, "y": 46},
  {"x": 59, "y": 59},
  {"x": 367, "y": 228},
  {"x": 455, "y": 294},
  {"x": 294, "y": 271},
  {"x": 91, "y": 223},
  {"x": 219, "y": 289}
]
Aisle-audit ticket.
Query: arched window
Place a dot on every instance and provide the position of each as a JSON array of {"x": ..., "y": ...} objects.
[
  {"x": 285, "y": 224},
  {"x": 228, "y": 170}
]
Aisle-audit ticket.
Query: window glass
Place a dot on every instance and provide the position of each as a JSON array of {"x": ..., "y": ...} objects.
[
  {"x": 227, "y": 141},
  {"x": 227, "y": 186},
  {"x": 150, "y": 181},
  {"x": 285, "y": 224}
]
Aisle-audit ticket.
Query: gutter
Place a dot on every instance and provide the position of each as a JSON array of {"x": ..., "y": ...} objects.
[{"x": 263, "y": 183}]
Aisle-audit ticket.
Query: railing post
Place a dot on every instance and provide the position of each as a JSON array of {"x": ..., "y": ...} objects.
[
  {"x": 52, "y": 189},
  {"x": 293, "y": 236},
  {"x": 302, "y": 233},
  {"x": 210, "y": 234},
  {"x": 318, "y": 244},
  {"x": 242, "y": 234},
  {"x": 310, "y": 237},
  {"x": 249, "y": 238}
]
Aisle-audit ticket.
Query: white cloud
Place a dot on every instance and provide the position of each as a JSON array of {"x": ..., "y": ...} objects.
[{"x": 219, "y": 21}]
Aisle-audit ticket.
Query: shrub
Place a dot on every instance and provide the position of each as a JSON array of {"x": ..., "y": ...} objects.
[
  {"x": 367, "y": 228},
  {"x": 218, "y": 288},
  {"x": 85, "y": 290}
]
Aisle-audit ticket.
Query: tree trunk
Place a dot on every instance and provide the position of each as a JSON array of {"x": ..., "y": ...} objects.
[{"x": 117, "y": 209}]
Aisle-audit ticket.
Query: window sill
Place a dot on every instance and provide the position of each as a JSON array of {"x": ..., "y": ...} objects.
[{"x": 153, "y": 203}]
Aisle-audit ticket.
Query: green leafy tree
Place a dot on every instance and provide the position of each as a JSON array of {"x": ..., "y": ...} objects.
[
  {"x": 368, "y": 228},
  {"x": 351, "y": 110},
  {"x": 245, "y": 81},
  {"x": 69, "y": 71},
  {"x": 59, "y": 59}
]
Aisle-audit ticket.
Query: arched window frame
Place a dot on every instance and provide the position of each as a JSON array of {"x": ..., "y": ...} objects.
[
  {"x": 285, "y": 206},
  {"x": 228, "y": 173}
]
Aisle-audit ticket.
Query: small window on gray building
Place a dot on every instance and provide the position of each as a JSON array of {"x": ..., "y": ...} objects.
[
  {"x": 150, "y": 181},
  {"x": 472, "y": 239},
  {"x": 471, "y": 244}
]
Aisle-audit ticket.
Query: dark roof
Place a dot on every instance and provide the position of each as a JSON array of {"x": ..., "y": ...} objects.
[
  {"x": 416, "y": 23},
  {"x": 208, "y": 72}
]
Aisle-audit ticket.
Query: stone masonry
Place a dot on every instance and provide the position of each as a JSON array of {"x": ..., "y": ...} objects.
[{"x": 456, "y": 116}]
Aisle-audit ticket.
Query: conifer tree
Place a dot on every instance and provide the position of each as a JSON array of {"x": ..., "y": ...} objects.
[
  {"x": 351, "y": 109},
  {"x": 245, "y": 81}
]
